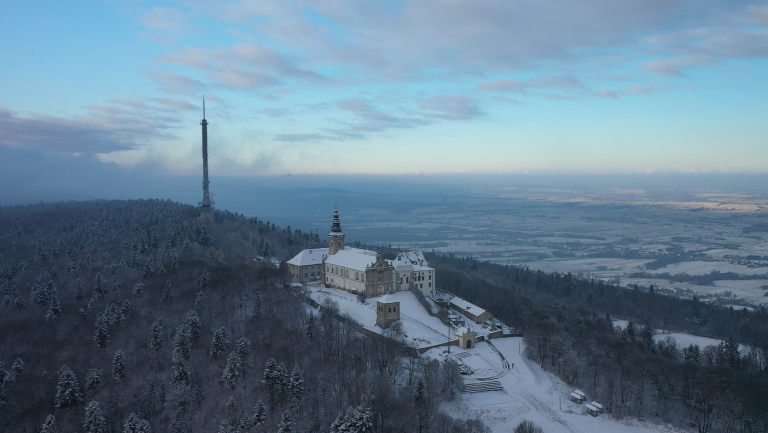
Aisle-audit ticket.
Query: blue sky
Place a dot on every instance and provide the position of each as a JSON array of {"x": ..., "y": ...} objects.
[{"x": 389, "y": 87}]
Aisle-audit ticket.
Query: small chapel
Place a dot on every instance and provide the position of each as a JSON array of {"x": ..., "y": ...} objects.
[{"x": 361, "y": 271}]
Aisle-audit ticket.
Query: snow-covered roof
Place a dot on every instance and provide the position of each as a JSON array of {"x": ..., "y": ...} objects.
[
  {"x": 466, "y": 306},
  {"x": 386, "y": 299},
  {"x": 353, "y": 258},
  {"x": 597, "y": 405},
  {"x": 415, "y": 258},
  {"x": 315, "y": 256},
  {"x": 462, "y": 330},
  {"x": 581, "y": 393},
  {"x": 309, "y": 257}
]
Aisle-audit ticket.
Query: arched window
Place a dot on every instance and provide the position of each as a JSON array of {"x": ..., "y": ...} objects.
[{"x": 357, "y": 275}]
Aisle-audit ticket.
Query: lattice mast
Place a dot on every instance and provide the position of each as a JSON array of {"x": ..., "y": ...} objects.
[{"x": 207, "y": 204}]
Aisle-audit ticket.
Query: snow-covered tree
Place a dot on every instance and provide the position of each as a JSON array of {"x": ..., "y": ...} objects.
[
  {"x": 134, "y": 424},
  {"x": 276, "y": 379},
  {"x": 54, "y": 306},
  {"x": 231, "y": 371},
  {"x": 118, "y": 365},
  {"x": 18, "y": 366},
  {"x": 93, "y": 377},
  {"x": 296, "y": 385},
  {"x": 193, "y": 326},
  {"x": 219, "y": 343},
  {"x": 286, "y": 425},
  {"x": 356, "y": 420},
  {"x": 199, "y": 300},
  {"x": 50, "y": 420},
  {"x": 259, "y": 414},
  {"x": 243, "y": 347},
  {"x": 181, "y": 342},
  {"x": 94, "y": 419},
  {"x": 102, "y": 332},
  {"x": 68, "y": 391},
  {"x": 156, "y": 339},
  {"x": 179, "y": 372},
  {"x": 138, "y": 289}
]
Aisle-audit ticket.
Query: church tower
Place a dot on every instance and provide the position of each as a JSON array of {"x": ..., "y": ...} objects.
[
  {"x": 335, "y": 237},
  {"x": 206, "y": 206}
]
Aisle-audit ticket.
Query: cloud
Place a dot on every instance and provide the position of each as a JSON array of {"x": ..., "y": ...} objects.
[
  {"x": 176, "y": 83},
  {"x": 122, "y": 125},
  {"x": 242, "y": 66},
  {"x": 694, "y": 48},
  {"x": 451, "y": 107}
]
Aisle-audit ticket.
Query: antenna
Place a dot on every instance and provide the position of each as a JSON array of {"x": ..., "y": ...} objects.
[{"x": 203, "y": 106}]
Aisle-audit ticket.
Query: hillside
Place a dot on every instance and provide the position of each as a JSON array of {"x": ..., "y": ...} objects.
[{"x": 137, "y": 313}]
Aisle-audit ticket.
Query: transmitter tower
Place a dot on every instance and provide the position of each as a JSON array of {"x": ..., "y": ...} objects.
[{"x": 206, "y": 206}]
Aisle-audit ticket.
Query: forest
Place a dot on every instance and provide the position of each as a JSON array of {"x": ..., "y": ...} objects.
[
  {"x": 568, "y": 329},
  {"x": 139, "y": 316}
]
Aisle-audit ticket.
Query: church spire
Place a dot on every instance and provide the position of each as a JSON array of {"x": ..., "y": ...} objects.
[{"x": 335, "y": 237}]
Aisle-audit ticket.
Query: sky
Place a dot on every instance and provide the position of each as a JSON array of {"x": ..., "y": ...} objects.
[{"x": 93, "y": 88}]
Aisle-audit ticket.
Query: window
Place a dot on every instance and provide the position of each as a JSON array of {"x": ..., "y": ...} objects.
[
  {"x": 430, "y": 285},
  {"x": 430, "y": 277},
  {"x": 357, "y": 275},
  {"x": 394, "y": 309},
  {"x": 389, "y": 310},
  {"x": 305, "y": 275}
]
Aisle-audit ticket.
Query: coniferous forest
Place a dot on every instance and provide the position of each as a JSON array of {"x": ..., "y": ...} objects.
[{"x": 136, "y": 316}]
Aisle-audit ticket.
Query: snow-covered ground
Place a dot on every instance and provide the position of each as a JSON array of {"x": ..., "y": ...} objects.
[
  {"x": 529, "y": 393},
  {"x": 683, "y": 340},
  {"x": 420, "y": 328}
]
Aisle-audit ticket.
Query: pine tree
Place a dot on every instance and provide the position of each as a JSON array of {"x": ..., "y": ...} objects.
[
  {"x": 276, "y": 379},
  {"x": 267, "y": 252},
  {"x": 193, "y": 326},
  {"x": 156, "y": 340},
  {"x": 94, "y": 420},
  {"x": 93, "y": 378},
  {"x": 179, "y": 372},
  {"x": 219, "y": 344},
  {"x": 259, "y": 414},
  {"x": 50, "y": 420},
  {"x": 243, "y": 347},
  {"x": 138, "y": 289},
  {"x": 199, "y": 300},
  {"x": 18, "y": 366},
  {"x": 134, "y": 424},
  {"x": 68, "y": 391},
  {"x": 285, "y": 426},
  {"x": 54, "y": 307},
  {"x": 296, "y": 385},
  {"x": 118, "y": 365},
  {"x": 102, "y": 333},
  {"x": 231, "y": 371},
  {"x": 181, "y": 342}
]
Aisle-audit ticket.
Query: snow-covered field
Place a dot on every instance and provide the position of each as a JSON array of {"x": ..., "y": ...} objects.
[
  {"x": 529, "y": 394},
  {"x": 683, "y": 340}
]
